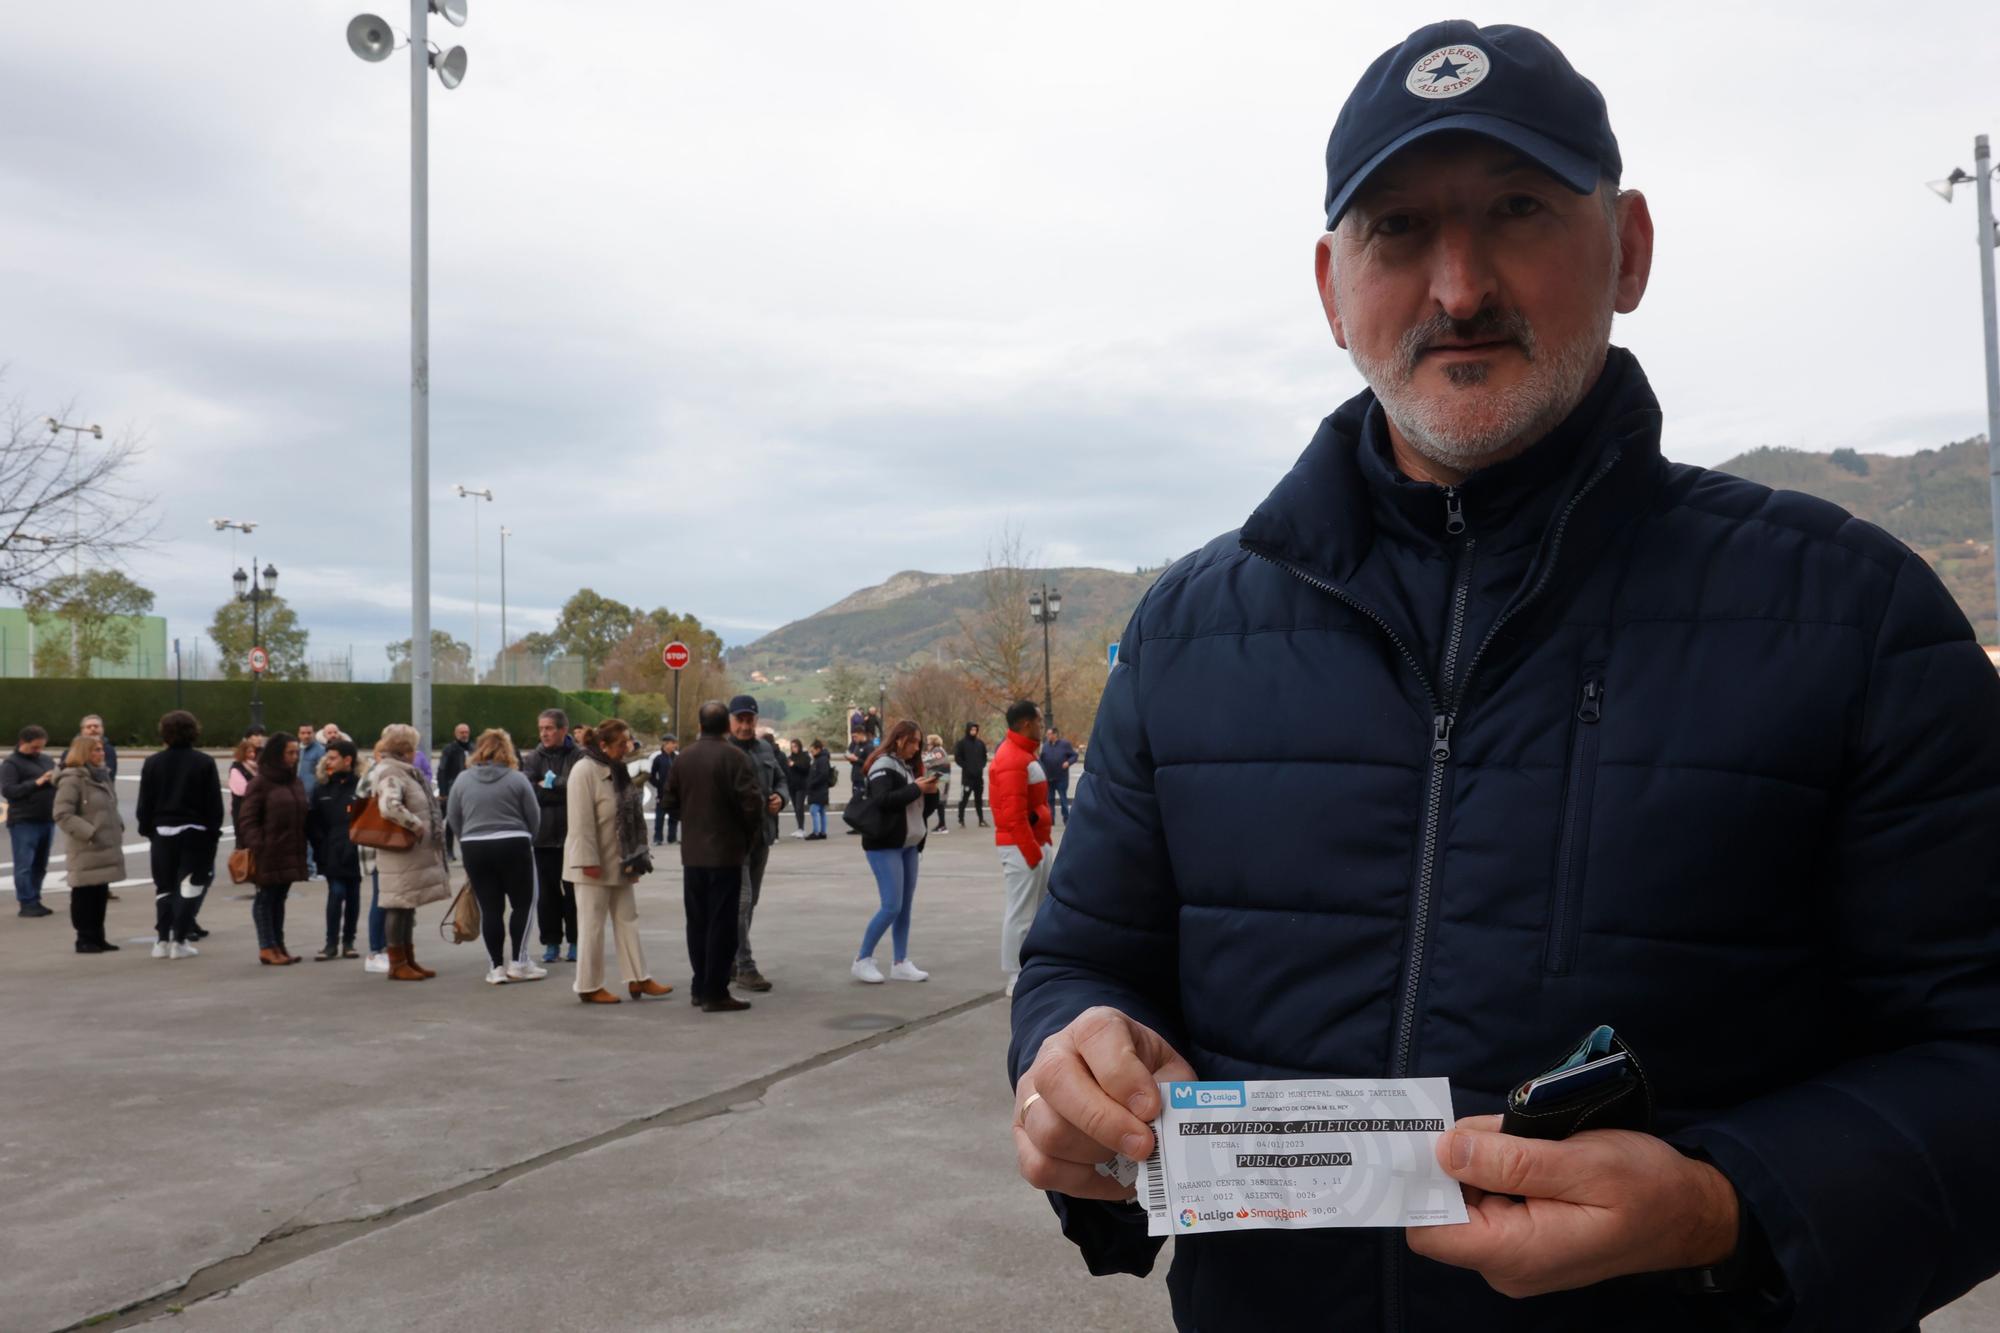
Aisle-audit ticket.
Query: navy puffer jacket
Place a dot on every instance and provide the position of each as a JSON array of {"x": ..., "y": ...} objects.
[{"x": 1401, "y": 780}]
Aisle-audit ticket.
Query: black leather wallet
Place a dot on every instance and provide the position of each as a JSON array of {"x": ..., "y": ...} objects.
[{"x": 1598, "y": 1085}]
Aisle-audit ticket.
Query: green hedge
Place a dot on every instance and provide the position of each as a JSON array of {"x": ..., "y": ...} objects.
[{"x": 131, "y": 708}]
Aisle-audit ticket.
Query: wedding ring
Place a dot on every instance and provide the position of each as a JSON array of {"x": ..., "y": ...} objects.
[{"x": 1022, "y": 1119}]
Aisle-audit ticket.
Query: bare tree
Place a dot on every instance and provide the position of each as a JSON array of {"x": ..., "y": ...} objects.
[
  {"x": 1000, "y": 655},
  {"x": 939, "y": 698},
  {"x": 64, "y": 501}
]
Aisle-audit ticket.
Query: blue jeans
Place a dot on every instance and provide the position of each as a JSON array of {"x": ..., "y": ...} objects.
[
  {"x": 672, "y": 824},
  {"x": 32, "y": 839},
  {"x": 378, "y": 931},
  {"x": 343, "y": 904},
  {"x": 896, "y": 881},
  {"x": 1060, "y": 796},
  {"x": 818, "y": 813}
]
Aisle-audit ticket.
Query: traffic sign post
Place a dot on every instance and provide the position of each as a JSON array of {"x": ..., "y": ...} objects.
[
  {"x": 675, "y": 657},
  {"x": 259, "y": 660}
]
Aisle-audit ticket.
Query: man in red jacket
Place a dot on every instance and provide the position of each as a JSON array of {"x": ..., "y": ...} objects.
[{"x": 1021, "y": 824}]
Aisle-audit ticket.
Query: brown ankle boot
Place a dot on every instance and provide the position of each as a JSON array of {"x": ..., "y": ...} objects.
[
  {"x": 647, "y": 987},
  {"x": 598, "y": 996},
  {"x": 410, "y": 955},
  {"x": 270, "y": 958},
  {"x": 399, "y": 965}
]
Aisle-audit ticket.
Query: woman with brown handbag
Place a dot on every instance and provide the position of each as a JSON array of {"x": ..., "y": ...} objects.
[
  {"x": 271, "y": 826},
  {"x": 409, "y": 876}
]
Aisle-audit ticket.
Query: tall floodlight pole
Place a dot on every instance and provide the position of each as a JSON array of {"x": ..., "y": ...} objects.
[
  {"x": 464, "y": 493},
  {"x": 76, "y": 522},
  {"x": 1982, "y": 177},
  {"x": 370, "y": 38}
]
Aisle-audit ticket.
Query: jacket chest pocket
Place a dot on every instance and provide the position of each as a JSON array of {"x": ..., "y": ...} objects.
[{"x": 1573, "y": 826}]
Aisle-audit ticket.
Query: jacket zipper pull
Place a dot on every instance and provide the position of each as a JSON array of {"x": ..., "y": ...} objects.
[
  {"x": 1441, "y": 737},
  {"x": 1591, "y": 706},
  {"x": 1454, "y": 512}
]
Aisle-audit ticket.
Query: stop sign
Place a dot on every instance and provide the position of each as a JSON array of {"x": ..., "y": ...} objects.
[{"x": 676, "y": 655}]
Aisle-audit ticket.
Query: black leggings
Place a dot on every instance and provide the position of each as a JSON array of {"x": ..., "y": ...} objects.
[
  {"x": 502, "y": 872},
  {"x": 267, "y": 909},
  {"x": 86, "y": 912},
  {"x": 400, "y": 925},
  {"x": 799, "y": 806}
]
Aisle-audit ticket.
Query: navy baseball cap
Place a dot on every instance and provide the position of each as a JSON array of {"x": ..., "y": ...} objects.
[
  {"x": 742, "y": 703},
  {"x": 1507, "y": 83}
]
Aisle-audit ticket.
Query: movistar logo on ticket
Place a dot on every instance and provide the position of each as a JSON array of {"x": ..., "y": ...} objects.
[{"x": 1184, "y": 1095}]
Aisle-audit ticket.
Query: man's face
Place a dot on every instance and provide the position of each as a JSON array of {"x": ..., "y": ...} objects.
[
  {"x": 305, "y": 735},
  {"x": 462, "y": 731},
  {"x": 336, "y": 762},
  {"x": 93, "y": 726},
  {"x": 743, "y": 726},
  {"x": 972, "y": 732},
  {"x": 329, "y": 732},
  {"x": 33, "y": 746},
  {"x": 1475, "y": 293},
  {"x": 1031, "y": 728},
  {"x": 550, "y": 733}
]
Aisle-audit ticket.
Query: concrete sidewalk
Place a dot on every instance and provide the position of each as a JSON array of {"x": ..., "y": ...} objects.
[{"x": 313, "y": 1147}]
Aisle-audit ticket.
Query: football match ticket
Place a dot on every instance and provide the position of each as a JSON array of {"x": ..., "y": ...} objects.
[{"x": 1338, "y": 1152}]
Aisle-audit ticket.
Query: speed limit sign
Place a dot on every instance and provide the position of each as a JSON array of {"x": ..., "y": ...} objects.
[{"x": 259, "y": 660}]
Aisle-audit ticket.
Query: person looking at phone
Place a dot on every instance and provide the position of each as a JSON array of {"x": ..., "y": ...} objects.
[
  {"x": 1591, "y": 738},
  {"x": 897, "y": 793}
]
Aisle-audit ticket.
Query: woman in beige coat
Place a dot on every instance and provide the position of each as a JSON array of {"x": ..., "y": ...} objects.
[
  {"x": 600, "y": 863},
  {"x": 417, "y": 875},
  {"x": 93, "y": 837}
]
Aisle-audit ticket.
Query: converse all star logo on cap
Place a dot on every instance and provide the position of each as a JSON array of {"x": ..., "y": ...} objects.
[{"x": 1448, "y": 71}]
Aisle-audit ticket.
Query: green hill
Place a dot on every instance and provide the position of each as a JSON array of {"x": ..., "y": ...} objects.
[
  {"x": 1934, "y": 499},
  {"x": 914, "y": 616}
]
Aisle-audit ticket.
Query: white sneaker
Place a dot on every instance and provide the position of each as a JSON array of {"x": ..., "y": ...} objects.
[
  {"x": 162, "y": 949},
  {"x": 524, "y": 969},
  {"x": 864, "y": 969},
  {"x": 798, "y": 833},
  {"x": 909, "y": 971},
  {"x": 940, "y": 830},
  {"x": 375, "y": 962},
  {"x": 496, "y": 976},
  {"x": 1011, "y": 977},
  {"x": 183, "y": 951}
]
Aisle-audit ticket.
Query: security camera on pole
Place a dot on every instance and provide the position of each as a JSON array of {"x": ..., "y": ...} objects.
[{"x": 372, "y": 39}]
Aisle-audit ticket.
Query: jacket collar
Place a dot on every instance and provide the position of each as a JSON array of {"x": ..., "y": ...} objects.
[
  {"x": 1021, "y": 743},
  {"x": 1333, "y": 506}
]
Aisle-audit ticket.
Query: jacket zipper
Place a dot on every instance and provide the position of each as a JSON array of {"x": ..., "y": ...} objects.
[
  {"x": 1575, "y": 825},
  {"x": 1443, "y": 718}
]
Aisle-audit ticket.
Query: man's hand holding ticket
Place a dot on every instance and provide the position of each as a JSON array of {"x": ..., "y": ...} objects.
[{"x": 1294, "y": 1153}]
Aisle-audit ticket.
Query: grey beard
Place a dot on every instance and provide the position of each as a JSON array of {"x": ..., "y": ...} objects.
[{"x": 1464, "y": 429}]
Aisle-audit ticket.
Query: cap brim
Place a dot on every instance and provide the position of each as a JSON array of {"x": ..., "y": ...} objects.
[{"x": 1576, "y": 170}]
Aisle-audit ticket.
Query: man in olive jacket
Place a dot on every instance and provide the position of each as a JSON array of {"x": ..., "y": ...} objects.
[{"x": 713, "y": 789}]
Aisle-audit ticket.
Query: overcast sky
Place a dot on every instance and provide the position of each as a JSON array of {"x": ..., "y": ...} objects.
[{"x": 741, "y": 307}]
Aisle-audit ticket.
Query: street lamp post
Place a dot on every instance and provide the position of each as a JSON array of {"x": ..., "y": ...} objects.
[
  {"x": 76, "y": 521},
  {"x": 505, "y": 677},
  {"x": 1044, "y": 605},
  {"x": 467, "y": 493},
  {"x": 371, "y": 38},
  {"x": 256, "y": 589},
  {"x": 1982, "y": 176}
]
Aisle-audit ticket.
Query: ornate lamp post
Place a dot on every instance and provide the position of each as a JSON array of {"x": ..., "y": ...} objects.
[
  {"x": 1044, "y": 605},
  {"x": 256, "y": 589}
]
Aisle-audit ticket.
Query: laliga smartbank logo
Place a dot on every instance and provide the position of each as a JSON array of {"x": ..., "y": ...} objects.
[
  {"x": 1184, "y": 1096},
  {"x": 1188, "y": 1217}
]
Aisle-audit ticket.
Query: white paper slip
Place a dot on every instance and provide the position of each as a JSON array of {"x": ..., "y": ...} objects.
[{"x": 1342, "y": 1152}]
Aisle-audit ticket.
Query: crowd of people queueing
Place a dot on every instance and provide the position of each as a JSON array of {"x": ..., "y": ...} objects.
[{"x": 554, "y": 837}]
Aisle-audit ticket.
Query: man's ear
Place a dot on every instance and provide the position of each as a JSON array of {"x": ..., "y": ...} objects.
[
  {"x": 1323, "y": 279},
  {"x": 1635, "y": 250}
]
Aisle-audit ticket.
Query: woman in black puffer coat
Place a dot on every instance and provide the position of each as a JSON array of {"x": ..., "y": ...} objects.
[{"x": 272, "y": 826}]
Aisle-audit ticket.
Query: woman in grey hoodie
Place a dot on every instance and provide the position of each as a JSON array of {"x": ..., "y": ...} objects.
[{"x": 493, "y": 813}]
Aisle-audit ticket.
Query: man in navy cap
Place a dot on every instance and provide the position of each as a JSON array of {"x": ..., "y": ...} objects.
[{"x": 1593, "y": 739}]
